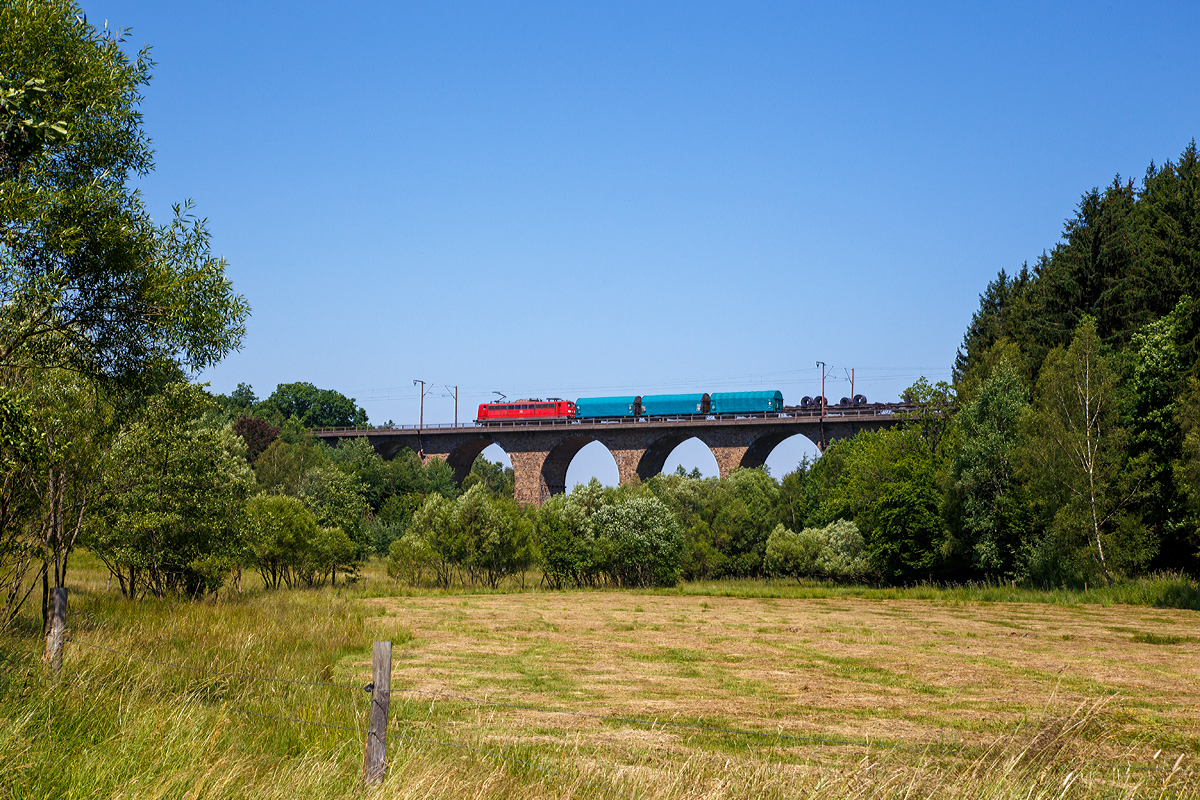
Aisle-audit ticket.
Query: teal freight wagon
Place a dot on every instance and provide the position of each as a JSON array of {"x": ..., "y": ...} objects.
[
  {"x": 662, "y": 405},
  {"x": 745, "y": 402},
  {"x": 607, "y": 407}
]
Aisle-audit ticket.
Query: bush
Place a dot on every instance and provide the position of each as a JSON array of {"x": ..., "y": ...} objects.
[
  {"x": 408, "y": 558},
  {"x": 835, "y": 551},
  {"x": 638, "y": 542},
  {"x": 562, "y": 531},
  {"x": 288, "y": 546}
]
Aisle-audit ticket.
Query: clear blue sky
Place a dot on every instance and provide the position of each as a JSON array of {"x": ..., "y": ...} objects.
[{"x": 572, "y": 200}]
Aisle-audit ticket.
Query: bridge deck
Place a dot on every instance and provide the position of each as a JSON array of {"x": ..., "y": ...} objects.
[{"x": 796, "y": 415}]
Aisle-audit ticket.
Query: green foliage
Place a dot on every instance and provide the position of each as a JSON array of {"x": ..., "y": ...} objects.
[
  {"x": 563, "y": 534},
  {"x": 499, "y": 480},
  {"x": 174, "y": 498},
  {"x": 995, "y": 514},
  {"x": 1155, "y": 387},
  {"x": 279, "y": 468},
  {"x": 745, "y": 516},
  {"x": 313, "y": 407},
  {"x": 889, "y": 483},
  {"x": 336, "y": 500},
  {"x": 408, "y": 558},
  {"x": 725, "y": 522},
  {"x": 836, "y": 551},
  {"x": 87, "y": 280},
  {"x": 1127, "y": 258},
  {"x": 638, "y": 542},
  {"x": 1076, "y": 459},
  {"x": 279, "y": 531},
  {"x": 1185, "y": 470},
  {"x": 792, "y": 554},
  {"x": 474, "y": 539}
]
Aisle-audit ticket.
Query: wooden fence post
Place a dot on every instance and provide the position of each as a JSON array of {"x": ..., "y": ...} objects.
[
  {"x": 375, "y": 750},
  {"x": 58, "y": 628}
]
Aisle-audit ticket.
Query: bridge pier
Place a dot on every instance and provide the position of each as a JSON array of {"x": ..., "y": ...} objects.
[{"x": 540, "y": 454}]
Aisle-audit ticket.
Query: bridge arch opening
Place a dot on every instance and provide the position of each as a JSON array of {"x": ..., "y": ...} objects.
[
  {"x": 692, "y": 455},
  {"x": 462, "y": 457},
  {"x": 781, "y": 453},
  {"x": 581, "y": 461},
  {"x": 494, "y": 452}
]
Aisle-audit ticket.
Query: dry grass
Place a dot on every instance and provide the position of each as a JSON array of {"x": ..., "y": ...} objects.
[{"x": 824, "y": 697}]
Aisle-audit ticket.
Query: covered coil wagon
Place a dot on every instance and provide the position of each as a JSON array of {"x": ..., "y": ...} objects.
[
  {"x": 608, "y": 407},
  {"x": 745, "y": 402},
  {"x": 662, "y": 405}
]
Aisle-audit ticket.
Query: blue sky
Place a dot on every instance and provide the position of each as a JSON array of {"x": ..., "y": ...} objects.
[{"x": 571, "y": 200}]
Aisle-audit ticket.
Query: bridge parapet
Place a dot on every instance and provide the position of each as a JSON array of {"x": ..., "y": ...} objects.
[{"x": 542, "y": 451}]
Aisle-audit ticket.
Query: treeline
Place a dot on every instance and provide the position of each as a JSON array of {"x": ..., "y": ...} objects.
[
  {"x": 1078, "y": 396},
  {"x": 1066, "y": 451}
]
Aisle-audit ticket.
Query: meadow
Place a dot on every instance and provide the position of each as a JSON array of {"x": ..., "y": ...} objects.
[{"x": 731, "y": 689}]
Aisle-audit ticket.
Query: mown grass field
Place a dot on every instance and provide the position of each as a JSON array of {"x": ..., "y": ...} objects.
[{"x": 713, "y": 690}]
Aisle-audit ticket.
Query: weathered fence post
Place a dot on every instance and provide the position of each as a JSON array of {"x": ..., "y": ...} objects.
[
  {"x": 58, "y": 628},
  {"x": 375, "y": 750}
]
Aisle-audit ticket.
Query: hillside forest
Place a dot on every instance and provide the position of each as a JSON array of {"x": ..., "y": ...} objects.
[{"x": 1066, "y": 450}]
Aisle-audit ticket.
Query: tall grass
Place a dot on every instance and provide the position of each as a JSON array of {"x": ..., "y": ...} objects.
[
  {"x": 116, "y": 726},
  {"x": 1166, "y": 590}
]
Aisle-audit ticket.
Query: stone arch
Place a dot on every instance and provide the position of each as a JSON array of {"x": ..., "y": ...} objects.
[
  {"x": 389, "y": 449},
  {"x": 760, "y": 449},
  {"x": 554, "y": 468},
  {"x": 462, "y": 457},
  {"x": 657, "y": 454},
  {"x": 652, "y": 461}
]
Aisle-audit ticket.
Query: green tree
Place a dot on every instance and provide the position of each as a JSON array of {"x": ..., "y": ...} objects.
[
  {"x": 408, "y": 558},
  {"x": 792, "y": 554},
  {"x": 995, "y": 513},
  {"x": 87, "y": 280},
  {"x": 638, "y": 542},
  {"x": 565, "y": 542},
  {"x": 21, "y": 456},
  {"x": 279, "y": 532},
  {"x": 694, "y": 501},
  {"x": 1126, "y": 258},
  {"x": 1076, "y": 455},
  {"x": 279, "y": 468},
  {"x": 746, "y": 508},
  {"x": 889, "y": 483},
  {"x": 434, "y": 524},
  {"x": 336, "y": 500},
  {"x": 175, "y": 493},
  {"x": 313, "y": 407},
  {"x": 499, "y": 480},
  {"x": 1155, "y": 385},
  {"x": 836, "y": 551}
]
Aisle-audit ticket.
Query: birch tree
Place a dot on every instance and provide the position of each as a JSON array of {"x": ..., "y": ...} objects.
[{"x": 1076, "y": 451}]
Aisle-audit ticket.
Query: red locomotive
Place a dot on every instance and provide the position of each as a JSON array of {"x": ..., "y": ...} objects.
[{"x": 550, "y": 408}]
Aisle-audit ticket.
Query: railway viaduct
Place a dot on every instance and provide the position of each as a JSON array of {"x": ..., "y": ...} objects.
[{"x": 541, "y": 451}]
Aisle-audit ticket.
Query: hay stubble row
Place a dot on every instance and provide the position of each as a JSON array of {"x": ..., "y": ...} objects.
[{"x": 903, "y": 672}]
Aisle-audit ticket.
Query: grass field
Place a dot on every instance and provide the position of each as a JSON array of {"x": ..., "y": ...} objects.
[{"x": 715, "y": 690}]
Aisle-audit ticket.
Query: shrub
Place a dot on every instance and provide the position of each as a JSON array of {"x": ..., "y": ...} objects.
[
  {"x": 639, "y": 542},
  {"x": 835, "y": 551},
  {"x": 562, "y": 531}
]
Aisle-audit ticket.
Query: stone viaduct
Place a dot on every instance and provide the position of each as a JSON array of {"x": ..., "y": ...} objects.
[{"x": 541, "y": 451}]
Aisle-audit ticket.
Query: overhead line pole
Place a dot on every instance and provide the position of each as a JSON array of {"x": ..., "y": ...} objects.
[
  {"x": 421, "y": 423},
  {"x": 821, "y": 364},
  {"x": 455, "y": 405}
]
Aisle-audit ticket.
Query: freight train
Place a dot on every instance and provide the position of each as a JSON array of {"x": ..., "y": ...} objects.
[{"x": 653, "y": 406}]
